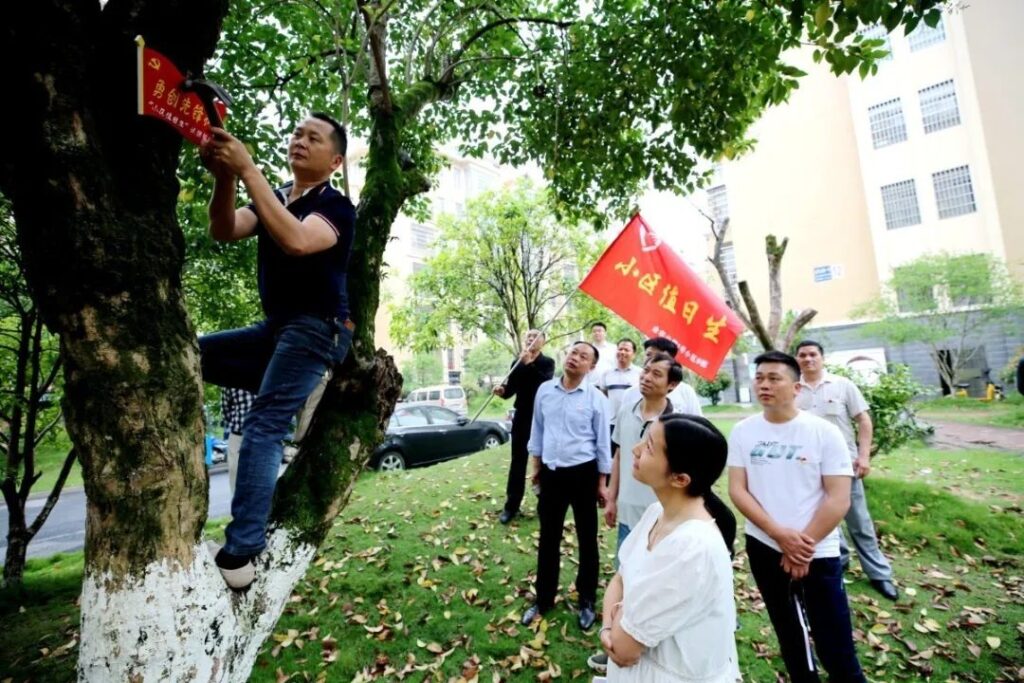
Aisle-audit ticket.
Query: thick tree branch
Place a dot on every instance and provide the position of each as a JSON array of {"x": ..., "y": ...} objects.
[
  {"x": 774, "y": 250},
  {"x": 802, "y": 319},
  {"x": 51, "y": 500},
  {"x": 756, "y": 326}
]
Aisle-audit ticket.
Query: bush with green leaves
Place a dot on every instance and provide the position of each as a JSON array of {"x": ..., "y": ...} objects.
[
  {"x": 713, "y": 390},
  {"x": 890, "y": 397}
]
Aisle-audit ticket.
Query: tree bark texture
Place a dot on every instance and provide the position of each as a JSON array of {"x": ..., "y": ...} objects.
[{"x": 94, "y": 191}]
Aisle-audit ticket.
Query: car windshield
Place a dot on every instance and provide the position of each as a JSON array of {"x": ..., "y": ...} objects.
[{"x": 453, "y": 393}]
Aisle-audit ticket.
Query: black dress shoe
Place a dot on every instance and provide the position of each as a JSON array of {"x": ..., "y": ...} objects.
[
  {"x": 587, "y": 617},
  {"x": 505, "y": 517},
  {"x": 534, "y": 612},
  {"x": 886, "y": 588}
]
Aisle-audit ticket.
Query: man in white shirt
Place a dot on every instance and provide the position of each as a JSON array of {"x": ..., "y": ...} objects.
[
  {"x": 605, "y": 351},
  {"x": 684, "y": 398},
  {"x": 790, "y": 475},
  {"x": 624, "y": 376},
  {"x": 839, "y": 401}
]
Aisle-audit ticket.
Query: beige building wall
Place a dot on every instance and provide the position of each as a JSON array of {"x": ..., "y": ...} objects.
[
  {"x": 923, "y": 154},
  {"x": 991, "y": 34},
  {"x": 803, "y": 182},
  {"x": 816, "y": 175}
]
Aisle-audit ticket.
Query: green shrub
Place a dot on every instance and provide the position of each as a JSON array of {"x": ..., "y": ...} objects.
[
  {"x": 890, "y": 399},
  {"x": 713, "y": 390}
]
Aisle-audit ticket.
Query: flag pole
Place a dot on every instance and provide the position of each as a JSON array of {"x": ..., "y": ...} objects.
[{"x": 519, "y": 359}]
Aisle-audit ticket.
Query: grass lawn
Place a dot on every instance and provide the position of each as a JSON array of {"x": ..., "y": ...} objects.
[
  {"x": 1006, "y": 413},
  {"x": 495, "y": 410},
  {"x": 50, "y": 458},
  {"x": 417, "y": 576}
]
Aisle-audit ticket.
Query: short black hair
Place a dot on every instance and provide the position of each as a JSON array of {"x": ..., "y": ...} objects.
[
  {"x": 675, "y": 370},
  {"x": 593, "y": 348},
  {"x": 338, "y": 135},
  {"x": 632, "y": 344},
  {"x": 662, "y": 344},
  {"x": 598, "y": 323},
  {"x": 810, "y": 342},
  {"x": 779, "y": 357}
]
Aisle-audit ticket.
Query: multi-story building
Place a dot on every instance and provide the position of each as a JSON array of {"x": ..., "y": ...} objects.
[{"x": 865, "y": 175}]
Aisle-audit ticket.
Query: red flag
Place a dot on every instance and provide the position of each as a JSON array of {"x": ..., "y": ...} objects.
[
  {"x": 651, "y": 287},
  {"x": 160, "y": 96}
]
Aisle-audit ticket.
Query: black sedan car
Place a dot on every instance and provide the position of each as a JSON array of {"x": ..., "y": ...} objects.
[{"x": 419, "y": 435}]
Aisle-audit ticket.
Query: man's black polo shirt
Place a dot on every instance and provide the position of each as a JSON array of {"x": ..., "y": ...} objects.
[{"x": 314, "y": 284}]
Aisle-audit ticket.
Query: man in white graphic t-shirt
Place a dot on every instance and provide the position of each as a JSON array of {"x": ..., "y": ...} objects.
[{"x": 790, "y": 474}]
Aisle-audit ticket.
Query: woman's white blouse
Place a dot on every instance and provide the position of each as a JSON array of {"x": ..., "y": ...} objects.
[{"x": 678, "y": 602}]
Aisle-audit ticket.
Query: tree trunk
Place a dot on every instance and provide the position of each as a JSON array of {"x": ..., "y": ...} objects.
[{"x": 17, "y": 547}]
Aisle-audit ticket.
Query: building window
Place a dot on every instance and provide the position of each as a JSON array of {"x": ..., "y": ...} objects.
[
  {"x": 729, "y": 261},
  {"x": 878, "y": 32},
  {"x": 827, "y": 273},
  {"x": 938, "y": 107},
  {"x": 887, "y": 125},
  {"x": 924, "y": 35},
  {"x": 423, "y": 236},
  {"x": 954, "y": 194},
  {"x": 718, "y": 204},
  {"x": 900, "y": 203}
]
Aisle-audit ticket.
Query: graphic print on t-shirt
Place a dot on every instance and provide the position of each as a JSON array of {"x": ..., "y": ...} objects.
[{"x": 764, "y": 452}]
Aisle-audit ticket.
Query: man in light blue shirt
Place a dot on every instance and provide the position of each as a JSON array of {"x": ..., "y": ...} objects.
[{"x": 569, "y": 447}]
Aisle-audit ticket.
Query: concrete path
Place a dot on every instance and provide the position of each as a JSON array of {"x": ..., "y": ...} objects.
[{"x": 956, "y": 435}]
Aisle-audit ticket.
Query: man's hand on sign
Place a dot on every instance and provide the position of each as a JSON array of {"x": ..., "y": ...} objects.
[
  {"x": 499, "y": 390},
  {"x": 229, "y": 151},
  {"x": 207, "y": 155}
]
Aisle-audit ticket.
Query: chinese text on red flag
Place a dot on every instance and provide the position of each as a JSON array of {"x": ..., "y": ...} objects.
[
  {"x": 650, "y": 286},
  {"x": 160, "y": 96}
]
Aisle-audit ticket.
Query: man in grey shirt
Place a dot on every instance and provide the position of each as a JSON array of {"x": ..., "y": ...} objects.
[
  {"x": 570, "y": 448},
  {"x": 839, "y": 401}
]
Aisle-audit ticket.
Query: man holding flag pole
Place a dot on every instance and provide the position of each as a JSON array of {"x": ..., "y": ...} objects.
[{"x": 528, "y": 372}]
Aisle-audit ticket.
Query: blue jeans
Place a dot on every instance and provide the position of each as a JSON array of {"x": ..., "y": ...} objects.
[{"x": 281, "y": 362}]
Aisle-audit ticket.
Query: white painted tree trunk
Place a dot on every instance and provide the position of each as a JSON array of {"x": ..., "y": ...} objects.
[{"x": 174, "y": 623}]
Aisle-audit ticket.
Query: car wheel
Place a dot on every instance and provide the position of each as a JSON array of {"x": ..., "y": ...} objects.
[
  {"x": 391, "y": 461},
  {"x": 492, "y": 440}
]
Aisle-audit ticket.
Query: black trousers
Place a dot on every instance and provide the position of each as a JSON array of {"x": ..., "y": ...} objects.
[
  {"x": 516, "y": 484},
  {"x": 815, "y": 605},
  {"x": 561, "y": 489}
]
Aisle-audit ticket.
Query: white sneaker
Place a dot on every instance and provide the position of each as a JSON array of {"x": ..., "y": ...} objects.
[
  {"x": 237, "y": 579},
  {"x": 598, "y": 662}
]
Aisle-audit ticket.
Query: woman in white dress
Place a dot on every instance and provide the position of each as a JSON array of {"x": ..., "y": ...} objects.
[{"x": 669, "y": 614}]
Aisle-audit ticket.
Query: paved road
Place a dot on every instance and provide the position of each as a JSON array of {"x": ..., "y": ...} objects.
[{"x": 64, "y": 531}]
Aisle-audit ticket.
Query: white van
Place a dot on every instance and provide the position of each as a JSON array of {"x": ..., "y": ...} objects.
[{"x": 450, "y": 396}]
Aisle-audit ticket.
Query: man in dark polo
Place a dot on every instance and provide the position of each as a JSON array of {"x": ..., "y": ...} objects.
[
  {"x": 570, "y": 448},
  {"x": 304, "y": 231},
  {"x": 530, "y": 370}
]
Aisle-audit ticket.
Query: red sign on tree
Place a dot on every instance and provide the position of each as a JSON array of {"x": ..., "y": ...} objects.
[
  {"x": 160, "y": 96},
  {"x": 651, "y": 287}
]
